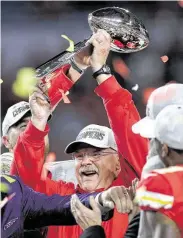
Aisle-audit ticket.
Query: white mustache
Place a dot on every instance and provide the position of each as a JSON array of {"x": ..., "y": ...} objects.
[{"x": 88, "y": 169}]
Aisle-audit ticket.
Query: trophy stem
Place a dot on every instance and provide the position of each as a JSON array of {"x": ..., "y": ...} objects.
[{"x": 57, "y": 61}]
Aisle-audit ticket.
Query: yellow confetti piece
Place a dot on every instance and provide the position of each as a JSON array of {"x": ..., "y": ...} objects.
[
  {"x": 71, "y": 43},
  {"x": 1, "y": 81}
]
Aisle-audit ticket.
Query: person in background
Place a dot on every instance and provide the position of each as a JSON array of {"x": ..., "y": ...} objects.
[
  {"x": 159, "y": 193},
  {"x": 170, "y": 94},
  {"x": 125, "y": 160},
  {"x": 6, "y": 160}
]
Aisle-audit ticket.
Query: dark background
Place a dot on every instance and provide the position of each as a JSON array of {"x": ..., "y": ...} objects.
[{"x": 31, "y": 35}]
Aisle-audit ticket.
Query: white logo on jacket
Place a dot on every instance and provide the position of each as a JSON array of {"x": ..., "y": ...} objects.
[{"x": 10, "y": 223}]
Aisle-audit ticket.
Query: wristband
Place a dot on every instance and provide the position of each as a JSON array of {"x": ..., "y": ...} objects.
[{"x": 74, "y": 65}]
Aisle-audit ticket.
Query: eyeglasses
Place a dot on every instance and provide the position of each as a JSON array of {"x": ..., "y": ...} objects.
[{"x": 94, "y": 156}]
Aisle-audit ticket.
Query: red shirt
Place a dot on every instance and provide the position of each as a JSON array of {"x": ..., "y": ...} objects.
[
  {"x": 162, "y": 191},
  {"x": 122, "y": 114}
]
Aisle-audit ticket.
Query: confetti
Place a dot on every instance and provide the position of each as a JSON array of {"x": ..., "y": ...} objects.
[
  {"x": 71, "y": 43},
  {"x": 24, "y": 82},
  {"x": 135, "y": 88},
  {"x": 64, "y": 96},
  {"x": 1, "y": 81},
  {"x": 164, "y": 58}
]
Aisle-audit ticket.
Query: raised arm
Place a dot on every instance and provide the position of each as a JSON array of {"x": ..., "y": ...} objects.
[
  {"x": 122, "y": 114},
  {"x": 29, "y": 152}
]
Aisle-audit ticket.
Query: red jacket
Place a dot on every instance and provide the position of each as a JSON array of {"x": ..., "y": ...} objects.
[{"x": 122, "y": 114}]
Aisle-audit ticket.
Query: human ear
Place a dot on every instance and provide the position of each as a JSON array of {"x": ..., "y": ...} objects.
[{"x": 6, "y": 142}]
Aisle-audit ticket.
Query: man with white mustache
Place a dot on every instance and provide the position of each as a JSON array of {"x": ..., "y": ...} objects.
[{"x": 96, "y": 158}]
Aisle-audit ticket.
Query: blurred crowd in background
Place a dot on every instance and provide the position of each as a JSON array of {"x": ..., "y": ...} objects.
[{"x": 31, "y": 35}]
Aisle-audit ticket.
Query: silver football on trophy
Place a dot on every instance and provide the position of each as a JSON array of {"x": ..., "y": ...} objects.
[{"x": 127, "y": 32}]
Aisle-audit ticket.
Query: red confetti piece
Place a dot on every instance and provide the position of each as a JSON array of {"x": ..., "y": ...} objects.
[
  {"x": 121, "y": 68},
  {"x": 164, "y": 58}
]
